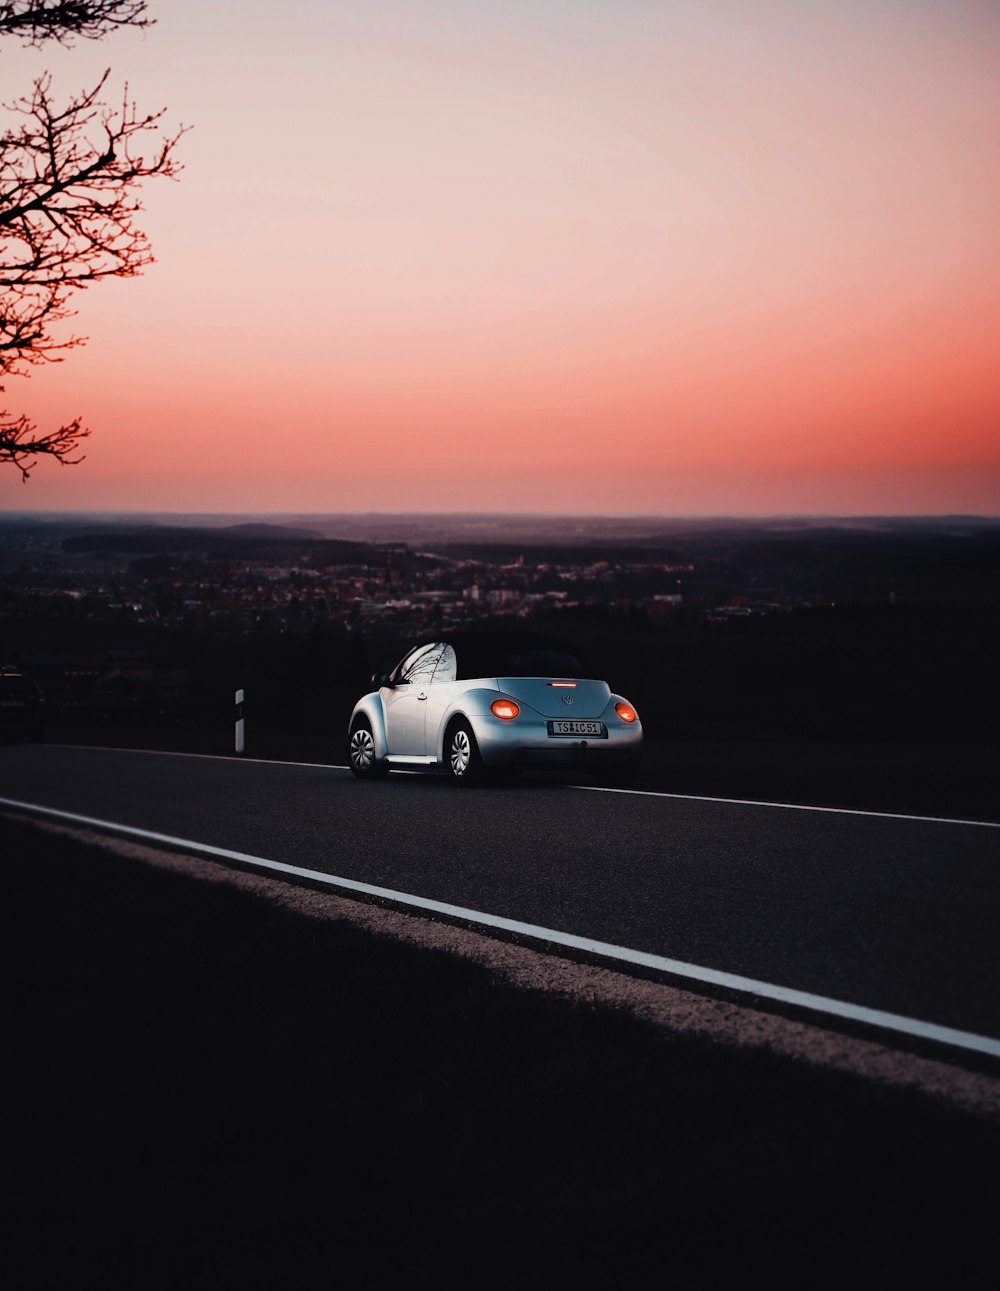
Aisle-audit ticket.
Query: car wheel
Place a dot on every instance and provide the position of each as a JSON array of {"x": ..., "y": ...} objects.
[
  {"x": 462, "y": 758},
  {"x": 361, "y": 752}
]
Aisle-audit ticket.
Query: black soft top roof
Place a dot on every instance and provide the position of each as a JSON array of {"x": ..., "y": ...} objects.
[{"x": 493, "y": 652}]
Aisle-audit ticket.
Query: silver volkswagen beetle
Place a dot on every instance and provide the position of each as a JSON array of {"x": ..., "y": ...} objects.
[{"x": 479, "y": 705}]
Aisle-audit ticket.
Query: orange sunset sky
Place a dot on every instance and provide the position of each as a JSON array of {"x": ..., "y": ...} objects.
[{"x": 608, "y": 256}]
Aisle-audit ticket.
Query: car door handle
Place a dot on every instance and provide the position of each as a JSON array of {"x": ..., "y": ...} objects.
[{"x": 422, "y": 696}]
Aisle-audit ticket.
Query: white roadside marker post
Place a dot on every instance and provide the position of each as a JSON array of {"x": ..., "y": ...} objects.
[{"x": 239, "y": 722}]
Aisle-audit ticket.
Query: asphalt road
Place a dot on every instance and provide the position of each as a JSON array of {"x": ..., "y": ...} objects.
[{"x": 900, "y": 915}]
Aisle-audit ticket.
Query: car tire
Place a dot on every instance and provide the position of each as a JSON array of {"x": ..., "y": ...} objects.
[
  {"x": 462, "y": 759},
  {"x": 361, "y": 752}
]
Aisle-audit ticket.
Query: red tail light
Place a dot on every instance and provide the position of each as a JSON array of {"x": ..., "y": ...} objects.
[
  {"x": 505, "y": 709},
  {"x": 625, "y": 711}
]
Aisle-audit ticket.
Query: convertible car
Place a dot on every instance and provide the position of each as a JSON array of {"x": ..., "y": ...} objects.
[{"x": 481, "y": 705}]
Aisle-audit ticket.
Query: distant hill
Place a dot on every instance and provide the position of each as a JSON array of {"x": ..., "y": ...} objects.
[
  {"x": 264, "y": 530},
  {"x": 238, "y": 542},
  {"x": 629, "y": 531},
  {"x": 422, "y": 529}
]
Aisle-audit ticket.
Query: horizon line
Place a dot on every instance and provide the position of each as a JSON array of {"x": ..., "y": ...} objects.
[{"x": 119, "y": 512}]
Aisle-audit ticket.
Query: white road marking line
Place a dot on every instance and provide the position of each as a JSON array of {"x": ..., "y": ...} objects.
[
  {"x": 789, "y": 806},
  {"x": 588, "y": 788},
  {"x": 606, "y": 950}
]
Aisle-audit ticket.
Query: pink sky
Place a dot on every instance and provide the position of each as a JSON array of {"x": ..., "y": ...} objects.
[{"x": 558, "y": 255}]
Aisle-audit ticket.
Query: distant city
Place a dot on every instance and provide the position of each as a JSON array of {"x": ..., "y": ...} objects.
[
  {"x": 255, "y": 573},
  {"x": 414, "y": 570}
]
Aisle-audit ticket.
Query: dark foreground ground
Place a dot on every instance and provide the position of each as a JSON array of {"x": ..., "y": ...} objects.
[{"x": 207, "y": 1089}]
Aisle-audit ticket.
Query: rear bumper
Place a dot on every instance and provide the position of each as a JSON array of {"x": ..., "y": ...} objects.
[{"x": 528, "y": 744}]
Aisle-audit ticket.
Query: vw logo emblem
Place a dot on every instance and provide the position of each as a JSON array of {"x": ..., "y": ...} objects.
[{"x": 567, "y": 699}]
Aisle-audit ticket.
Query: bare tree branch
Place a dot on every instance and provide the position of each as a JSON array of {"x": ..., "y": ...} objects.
[
  {"x": 68, "y": 204},
  {"x": 69, "y": 181},
  {"x": 35, "y": 21},
  {"x": 21, "y": 444}
]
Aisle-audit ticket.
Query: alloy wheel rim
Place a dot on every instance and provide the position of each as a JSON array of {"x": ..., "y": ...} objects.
[
  {"x": 461, "y": 753},
  {"x": 362, "y": 749}
]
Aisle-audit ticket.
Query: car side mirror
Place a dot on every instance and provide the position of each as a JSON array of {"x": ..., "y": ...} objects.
[{"x": 381, "y": 679}]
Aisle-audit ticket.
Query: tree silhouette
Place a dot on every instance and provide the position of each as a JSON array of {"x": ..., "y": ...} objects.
[
  {"x": 69, "y": 176},
  {"x": 37, "y": 20}
]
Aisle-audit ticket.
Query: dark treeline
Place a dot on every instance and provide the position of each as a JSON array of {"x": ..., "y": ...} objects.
[
  {"x": 892, "y": 673},
  {"x": 215, "y": 544}
]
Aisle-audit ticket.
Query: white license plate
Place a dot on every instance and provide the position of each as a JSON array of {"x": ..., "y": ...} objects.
[{"x": 578, "y": 728}]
